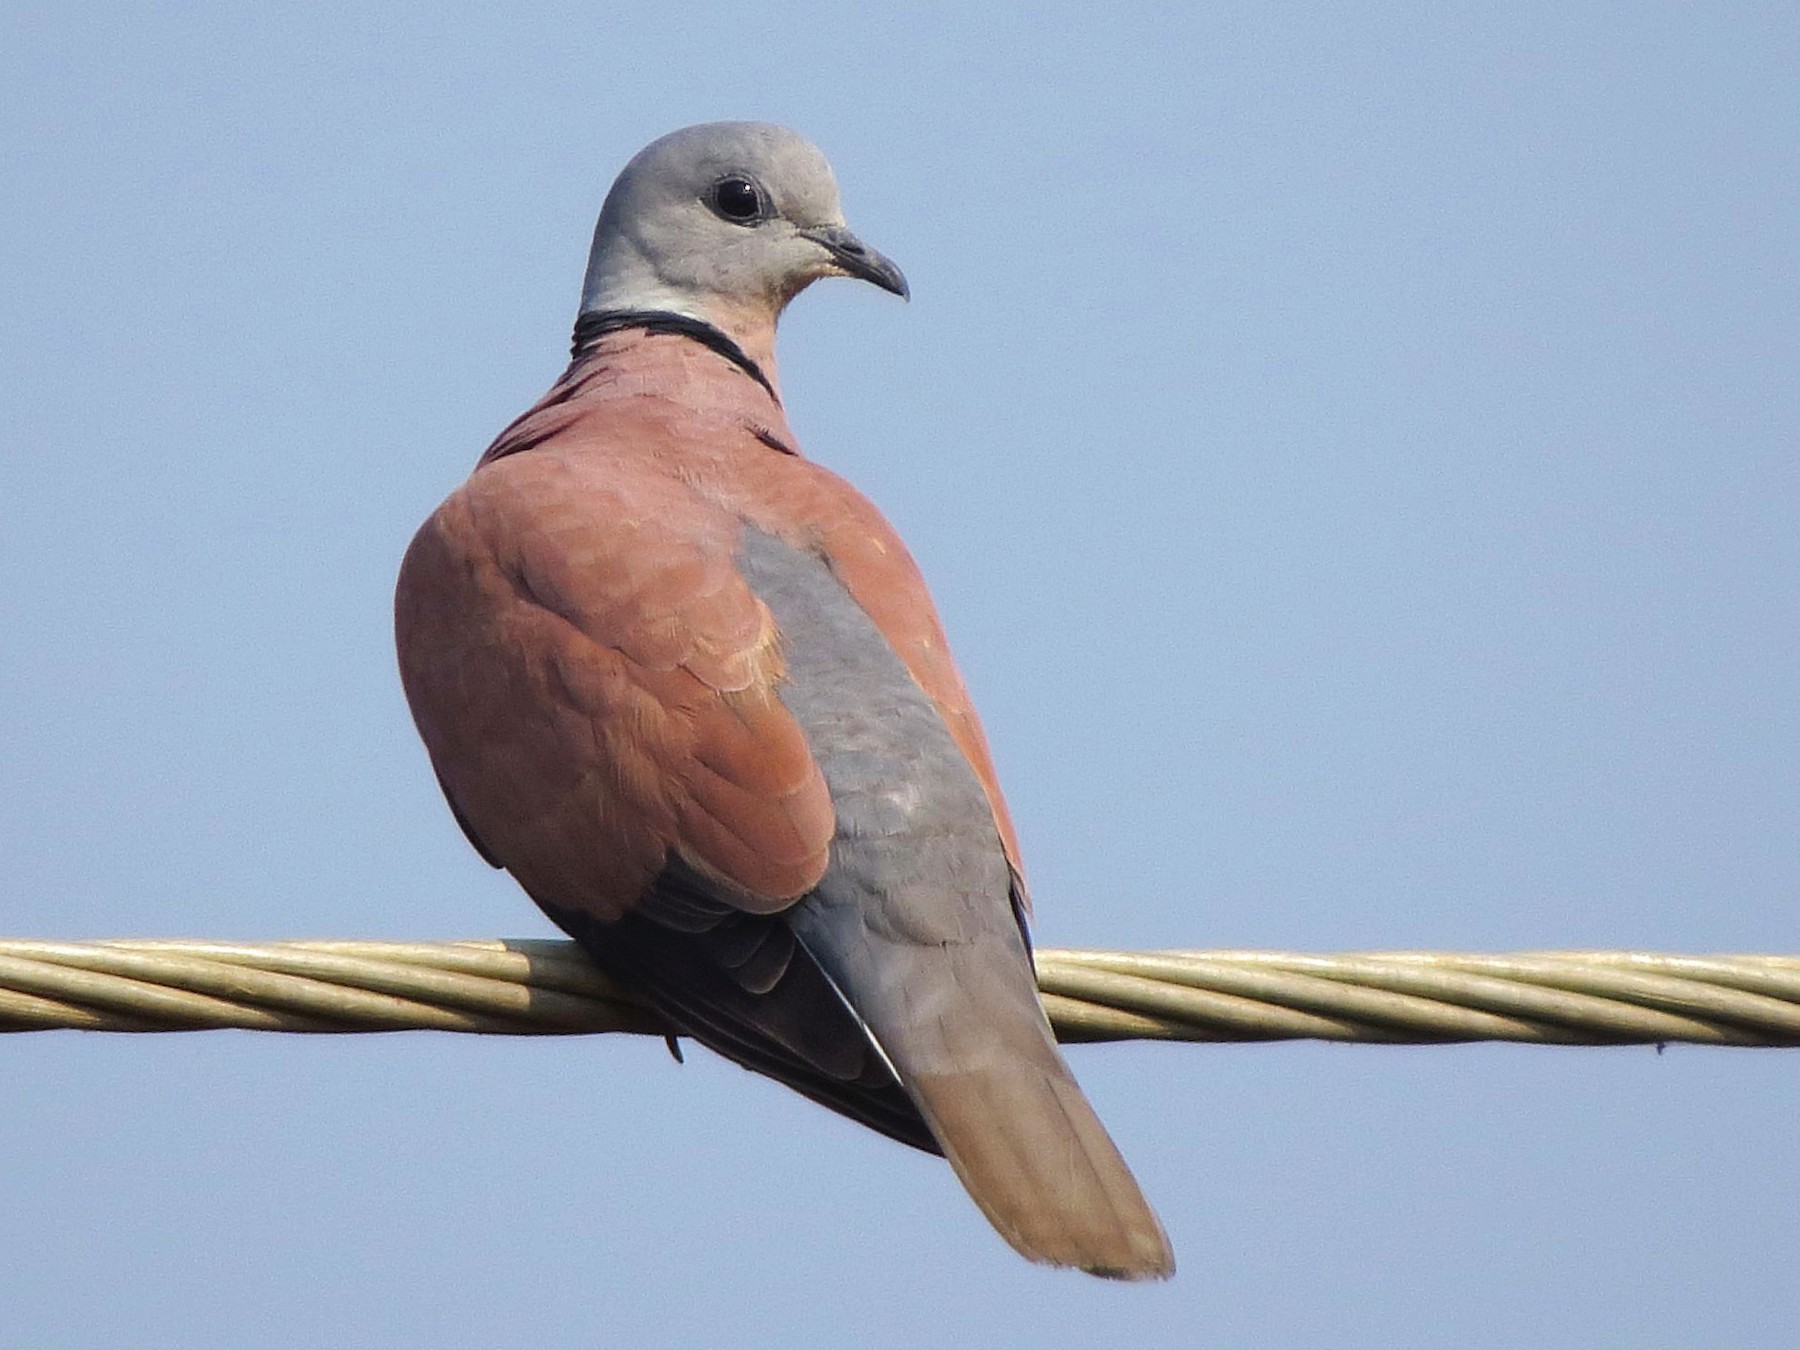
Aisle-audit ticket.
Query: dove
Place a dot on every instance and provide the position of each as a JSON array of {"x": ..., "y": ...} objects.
[{"x": 688, "y": 687}]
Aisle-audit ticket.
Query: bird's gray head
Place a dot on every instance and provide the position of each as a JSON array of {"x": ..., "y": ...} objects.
[{"x": 724, "y": 222}]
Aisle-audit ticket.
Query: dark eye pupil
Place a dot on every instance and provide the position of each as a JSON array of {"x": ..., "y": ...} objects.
[{"x": 736, "y": 199}]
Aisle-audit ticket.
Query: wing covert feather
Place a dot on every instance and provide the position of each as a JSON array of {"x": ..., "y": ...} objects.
[{"x": 595, "y": 681}]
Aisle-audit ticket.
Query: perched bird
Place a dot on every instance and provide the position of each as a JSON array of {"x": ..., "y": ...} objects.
[{"x": 688, "y": 687}]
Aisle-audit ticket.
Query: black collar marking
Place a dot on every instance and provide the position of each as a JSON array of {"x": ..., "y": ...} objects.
[{"x": 596, "y": 324}]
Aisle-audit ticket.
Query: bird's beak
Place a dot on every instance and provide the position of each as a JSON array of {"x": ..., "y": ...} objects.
[{"x": 856, "y": 259}]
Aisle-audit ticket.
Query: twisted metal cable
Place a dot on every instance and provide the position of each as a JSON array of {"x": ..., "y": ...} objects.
[{"x": 547, "y": 987}]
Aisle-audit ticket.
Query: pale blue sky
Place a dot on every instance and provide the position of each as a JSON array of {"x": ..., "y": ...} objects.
[{"x": 1354, "y": 449}]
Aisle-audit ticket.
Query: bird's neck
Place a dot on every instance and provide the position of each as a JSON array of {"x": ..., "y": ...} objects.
[
  {"x": 594, "y": 325},
  {"x": 744, "y": 336}
]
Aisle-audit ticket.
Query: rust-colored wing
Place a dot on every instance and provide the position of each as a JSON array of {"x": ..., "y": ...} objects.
[{"x": 595, "y": 684}]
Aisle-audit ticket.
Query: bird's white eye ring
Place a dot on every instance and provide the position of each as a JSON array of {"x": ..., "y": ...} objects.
[{"x": 738, "y": 199}]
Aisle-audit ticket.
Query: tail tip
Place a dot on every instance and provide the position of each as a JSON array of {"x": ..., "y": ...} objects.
[
  {"x": 1161, "y": 1267},
  {"x": 1151, "y": 1258},
  {"x": 1137, "y": 1254}
]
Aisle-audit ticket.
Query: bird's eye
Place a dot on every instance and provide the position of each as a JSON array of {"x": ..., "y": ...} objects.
[{"x": 738, "y": 200}]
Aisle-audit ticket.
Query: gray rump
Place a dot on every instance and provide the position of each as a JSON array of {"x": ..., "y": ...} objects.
[{"x": 918, "y": 894}]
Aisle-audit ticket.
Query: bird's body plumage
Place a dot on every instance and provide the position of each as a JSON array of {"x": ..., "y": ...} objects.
[{"x": 689, "y": 688}]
